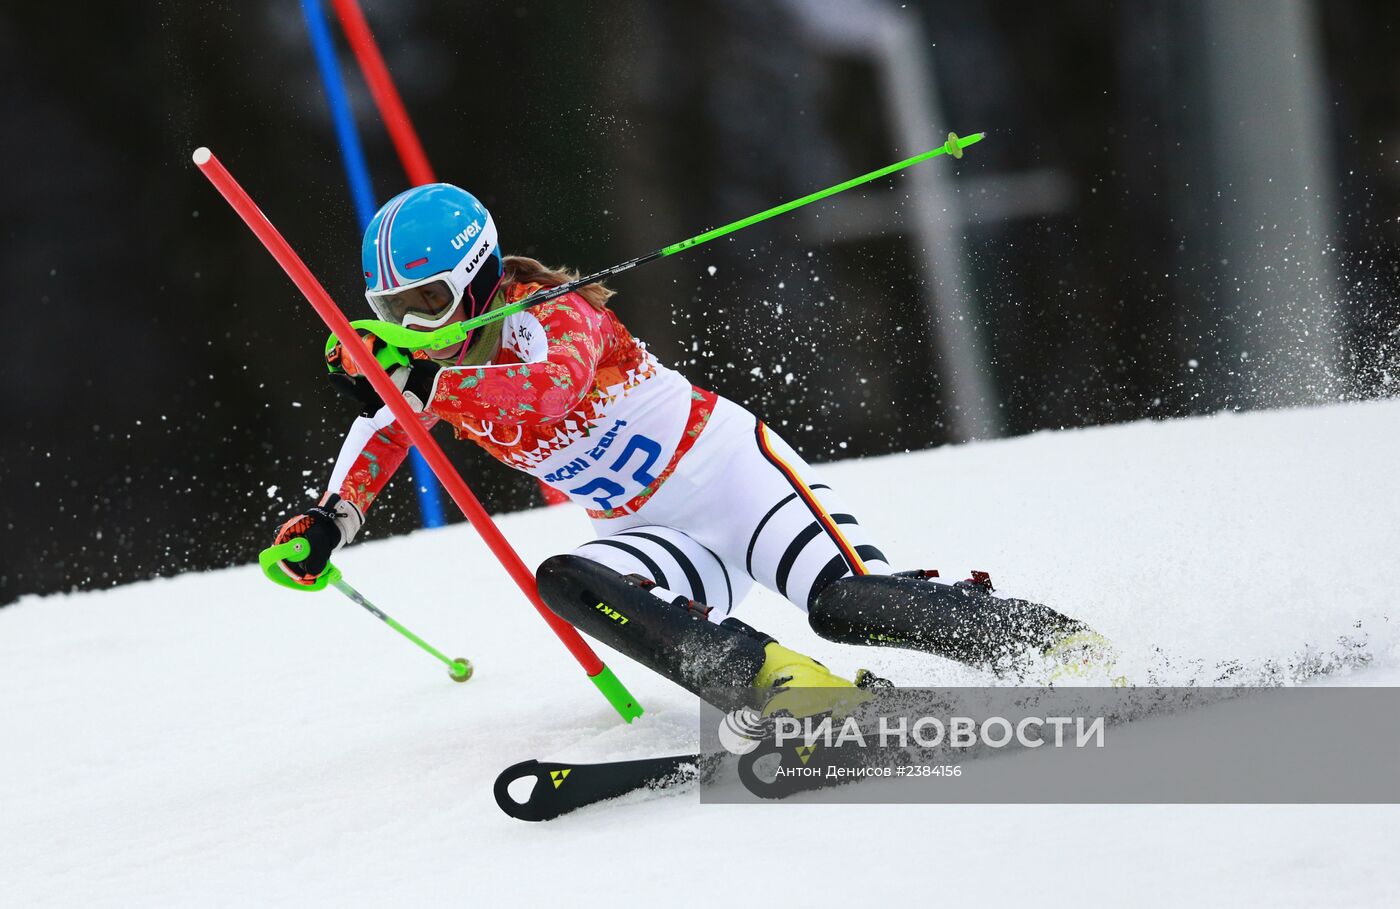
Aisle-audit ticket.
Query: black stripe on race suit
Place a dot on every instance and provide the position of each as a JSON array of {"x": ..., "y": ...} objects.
[
  {"x": 723, "y": 570},
  {"x": 657, "y": 574},
  {"x": 753, "y": 540},
  {"x": 799, "y": 543},
  {"x": 728, "y": 587},
  {"x": 697, "y": 586},
  {"x": 837, "y": 568}
]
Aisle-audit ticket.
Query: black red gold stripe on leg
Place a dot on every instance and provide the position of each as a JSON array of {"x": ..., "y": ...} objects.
[{"x": 809, "y": 498}]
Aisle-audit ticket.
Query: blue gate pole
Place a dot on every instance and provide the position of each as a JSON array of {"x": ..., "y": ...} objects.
[{"x": 352, "y": 154}]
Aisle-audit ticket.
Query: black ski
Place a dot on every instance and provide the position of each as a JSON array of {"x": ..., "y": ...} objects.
[{"x": 561, "y": 788}]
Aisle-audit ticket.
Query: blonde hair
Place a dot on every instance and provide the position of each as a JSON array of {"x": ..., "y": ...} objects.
[{"x": 524, "y": 270}]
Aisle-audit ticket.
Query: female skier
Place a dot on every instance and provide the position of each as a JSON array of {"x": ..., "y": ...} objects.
[{"x": 692, "y": 497}]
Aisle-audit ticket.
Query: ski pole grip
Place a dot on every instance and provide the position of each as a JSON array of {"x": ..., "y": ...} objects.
[
  {"x": 294, "y": 550},
  {"x": 617, "y": 694}
]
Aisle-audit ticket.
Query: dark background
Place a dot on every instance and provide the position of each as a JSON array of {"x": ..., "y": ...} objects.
[{"x": 163, "y": 393}]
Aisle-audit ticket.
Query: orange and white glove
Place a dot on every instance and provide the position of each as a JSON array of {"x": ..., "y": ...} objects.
[
  {"x": 414, "y": 375},
  {"x": 325, "y": 527}
]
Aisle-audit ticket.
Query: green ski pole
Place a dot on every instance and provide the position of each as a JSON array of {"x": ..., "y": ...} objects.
[
  {"x": 408, "y": 339},
  {"x": 296, "y": 549}
]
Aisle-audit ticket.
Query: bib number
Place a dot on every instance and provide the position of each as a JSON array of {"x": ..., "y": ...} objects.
[{"x": 639, "y": 455}]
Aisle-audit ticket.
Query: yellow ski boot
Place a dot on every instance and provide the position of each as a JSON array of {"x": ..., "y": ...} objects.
[{"x": 802, "y": 686}]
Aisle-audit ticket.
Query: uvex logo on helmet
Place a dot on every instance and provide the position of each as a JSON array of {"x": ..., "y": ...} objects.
[
  {"x": 461, "y": 239},
  {"x": 477, "y": 256}
]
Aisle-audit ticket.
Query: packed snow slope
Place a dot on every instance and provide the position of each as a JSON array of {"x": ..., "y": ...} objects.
[{"x": 216, "y": 740}]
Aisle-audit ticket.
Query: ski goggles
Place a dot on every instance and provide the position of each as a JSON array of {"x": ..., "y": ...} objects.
[{"x": 429, "y": 303}]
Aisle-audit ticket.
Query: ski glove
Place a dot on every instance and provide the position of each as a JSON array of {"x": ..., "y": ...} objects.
[
  {"x": 413, "y": 376},
  {"x": 325, "y": 527},
  {"x": 416, "y": 381}
]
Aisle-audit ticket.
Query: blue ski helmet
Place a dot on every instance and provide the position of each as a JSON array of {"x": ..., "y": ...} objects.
[{"x": 429, "y": 252}]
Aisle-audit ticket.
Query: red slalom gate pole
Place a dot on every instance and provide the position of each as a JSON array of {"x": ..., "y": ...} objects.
[
  {"x": 386, "y": 96},
  {"x": 396, "y": 120},
  {"x": 603, "y": 677}
]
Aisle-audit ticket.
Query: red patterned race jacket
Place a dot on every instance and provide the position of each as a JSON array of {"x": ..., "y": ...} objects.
[{"x": 571, "y": 398}]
